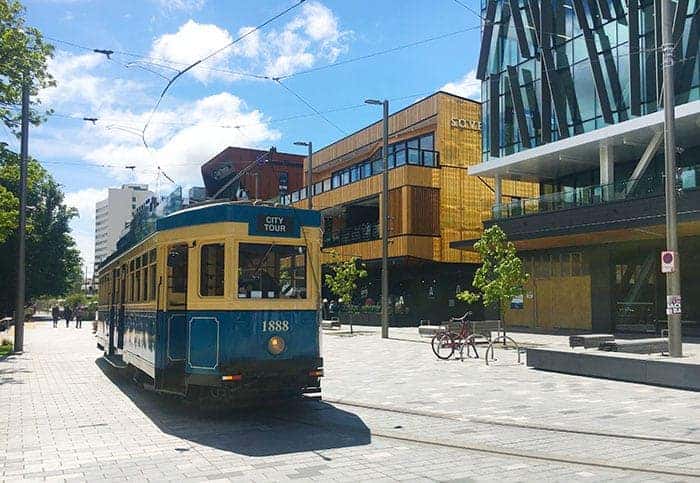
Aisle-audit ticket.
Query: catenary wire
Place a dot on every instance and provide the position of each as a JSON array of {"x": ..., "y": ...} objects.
[
  {"x": 310, "y": 106},
  {"x": 207, "y": 57},
  {"x": 378, "y": 53}
]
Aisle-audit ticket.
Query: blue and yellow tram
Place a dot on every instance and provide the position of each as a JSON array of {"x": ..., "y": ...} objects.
[{"x": 221, "y": 299}]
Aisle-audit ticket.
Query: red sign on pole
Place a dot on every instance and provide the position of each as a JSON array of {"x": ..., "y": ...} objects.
[{"x": 669, "y": 261}]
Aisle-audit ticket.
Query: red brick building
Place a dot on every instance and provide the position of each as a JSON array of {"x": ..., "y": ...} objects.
[{"x": 268, "y": 179}]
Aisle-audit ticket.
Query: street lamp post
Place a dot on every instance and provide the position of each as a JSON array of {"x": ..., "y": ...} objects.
[
  {"x": 309, "y": 177},
  {"x": 21, "y": 276},
  {"x": 385, "y": 215},
  {"x": 673, "y": 279}
]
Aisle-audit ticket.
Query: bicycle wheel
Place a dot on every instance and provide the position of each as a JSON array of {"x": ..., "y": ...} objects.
[{"x": 443, "y": 345}]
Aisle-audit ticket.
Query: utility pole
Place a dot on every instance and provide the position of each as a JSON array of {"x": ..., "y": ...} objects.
[
  {"x": 21, "y": 281},
  {"x": 385, "y": 216},
  {"x": 309, "y": 173},
  {"x": 673, "y": 279}
]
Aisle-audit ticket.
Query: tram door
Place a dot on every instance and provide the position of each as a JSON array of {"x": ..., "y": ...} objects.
[
  {"x": 113, "y": 310},
  {"x": 122, "y": 308},
  {"x": 176, "y": 319}
]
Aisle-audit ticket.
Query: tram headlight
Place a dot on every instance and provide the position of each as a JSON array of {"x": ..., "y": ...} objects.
[{"x": 276, "y": 345}]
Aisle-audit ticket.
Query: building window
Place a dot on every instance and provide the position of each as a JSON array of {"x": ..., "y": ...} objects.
[
  {"x": 345, "y": 177},
  {"x": 271, "y": 271},
  {"x": 366, "y": 169},
  {"x": 211, "y": 281},
  {"x": 335, "y": 180},
  {"x": 355, "y": 173}
]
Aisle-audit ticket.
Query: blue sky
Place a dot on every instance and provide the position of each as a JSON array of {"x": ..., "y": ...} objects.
[{"x": 210, "y": 108}]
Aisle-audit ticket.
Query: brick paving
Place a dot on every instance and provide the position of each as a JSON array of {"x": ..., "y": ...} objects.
[{"x": 67, "y": 416}]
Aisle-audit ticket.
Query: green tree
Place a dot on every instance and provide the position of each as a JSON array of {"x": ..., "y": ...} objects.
[
  {"x": 53, "y": 261},
  {"x": 500, "y": 276},
  {"x": 342, "y": 281},
  {"x": 23, "y": 57},
  {"x": 75, "y": 299}
]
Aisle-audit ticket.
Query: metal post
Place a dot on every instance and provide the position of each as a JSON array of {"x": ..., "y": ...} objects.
[
  {"x": 673, "y": 279},
  {"x": 309, "y": 177},
  {"x": 385, "y": 228},
  {"x": 24, "y": 154}
]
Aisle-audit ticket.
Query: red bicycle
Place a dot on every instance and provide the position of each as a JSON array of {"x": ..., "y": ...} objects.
[{"x": 447, "y": 341}]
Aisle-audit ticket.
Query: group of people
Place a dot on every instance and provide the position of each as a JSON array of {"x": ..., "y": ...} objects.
[{"x": 68, "y": 314}]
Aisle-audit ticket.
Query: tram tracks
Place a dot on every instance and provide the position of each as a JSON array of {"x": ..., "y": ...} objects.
[
  {"x": 511, "y": 424},
  {"x": 399, "y": 434}
]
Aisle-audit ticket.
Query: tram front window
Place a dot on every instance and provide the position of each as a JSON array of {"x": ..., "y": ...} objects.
[{"x": 269, "y": 271}]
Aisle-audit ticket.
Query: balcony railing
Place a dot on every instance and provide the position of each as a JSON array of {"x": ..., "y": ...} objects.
[
  {"x": 352, "y": 234},
  {"x": 688, "y": 178}
]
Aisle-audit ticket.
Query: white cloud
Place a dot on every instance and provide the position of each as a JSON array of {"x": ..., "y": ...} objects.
[
  {"x": 84, "y": 201},
  {"x": 80, "y": 89},
  {"x": 310, "y": 37},
  {"x": 468, "y": 86},
  {"x": 186, "y": 5},
  {"x": 191, "y": 42},
  {"x": 83, "y": 227}
]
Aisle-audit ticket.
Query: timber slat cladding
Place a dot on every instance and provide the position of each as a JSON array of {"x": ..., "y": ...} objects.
[
  {"x": 398, "y": 122},
  {"x": 428, "y": 207}
]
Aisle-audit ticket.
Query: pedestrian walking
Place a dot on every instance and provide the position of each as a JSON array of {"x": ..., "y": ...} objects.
[
  {"x": 79, "y": 316},
  {"x": 68, "y": 314},
  {"x": 55, "y": 314}
]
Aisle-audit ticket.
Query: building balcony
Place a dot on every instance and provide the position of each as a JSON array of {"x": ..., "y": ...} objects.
[
  {"x": 624, "y": 205},
  {"x": 351, "y": 234}
]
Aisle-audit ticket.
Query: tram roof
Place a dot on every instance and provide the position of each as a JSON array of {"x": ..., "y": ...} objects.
[
  {"x": 225, "y": 211},
  {"x": 234, "y": 212}
]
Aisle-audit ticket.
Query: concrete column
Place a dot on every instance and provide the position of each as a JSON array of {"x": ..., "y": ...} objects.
[
  {"x": 498, "y": 188},
  {"x": 607, "y": 169}
]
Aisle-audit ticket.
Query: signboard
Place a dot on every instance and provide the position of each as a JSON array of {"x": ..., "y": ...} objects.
[
  {"x": 673, "y": 304},
  {"x": 275, "y": 225},
  {"x": 517, "y": 302},
  {"x": 470, "y": 124},
  {"x": 669, "y": 261}
]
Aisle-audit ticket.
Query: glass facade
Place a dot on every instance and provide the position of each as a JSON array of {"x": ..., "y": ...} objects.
[{"x": 551, "y": 69}]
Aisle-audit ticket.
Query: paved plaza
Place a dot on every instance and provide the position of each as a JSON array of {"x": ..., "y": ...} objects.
[{"x": 392, "y": 411}]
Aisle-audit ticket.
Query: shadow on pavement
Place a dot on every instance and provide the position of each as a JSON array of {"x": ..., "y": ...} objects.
[
  {"x": 292, "y": 427},
  {"x": 7, "y": 373}
]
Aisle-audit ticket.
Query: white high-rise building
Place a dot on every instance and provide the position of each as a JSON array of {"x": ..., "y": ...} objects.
[{"x": 113, "y": 214}]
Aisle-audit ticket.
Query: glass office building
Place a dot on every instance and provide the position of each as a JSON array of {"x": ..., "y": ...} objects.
[
  {"x": 572, "y": 100},
  {"x": 556, "y": 68}
]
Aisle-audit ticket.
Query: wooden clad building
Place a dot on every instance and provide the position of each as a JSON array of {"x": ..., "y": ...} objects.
[{"x": 432, "y": 202}]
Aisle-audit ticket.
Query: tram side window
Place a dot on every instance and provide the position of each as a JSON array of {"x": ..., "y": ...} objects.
[
  {"x": 271, "y": 271},
  {"x": 211, "y": 282}
]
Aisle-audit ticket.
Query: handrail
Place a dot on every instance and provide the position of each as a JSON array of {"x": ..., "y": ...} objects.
[{"x": 648, "y": 186}]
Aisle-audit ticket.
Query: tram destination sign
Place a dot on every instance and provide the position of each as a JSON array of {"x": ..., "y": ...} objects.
[{"x": 275, "y": 225}]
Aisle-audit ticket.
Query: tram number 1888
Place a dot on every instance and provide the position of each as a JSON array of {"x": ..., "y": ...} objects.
[{"x": 275, "y": 325}]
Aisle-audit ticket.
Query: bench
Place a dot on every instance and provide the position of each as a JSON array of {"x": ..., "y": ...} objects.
[
  {"x": 589, "y": 340},
  {"x": 636, "y": 346},
  {"x": 484, "y": 328},
  {"x": 330, "y": 324}
]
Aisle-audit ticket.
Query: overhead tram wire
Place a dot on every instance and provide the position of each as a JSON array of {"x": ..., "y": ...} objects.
[
  {"x": 467, "y": 7},
  {"x": 378, "y": 53},
  {"x": 207, "y": 57},
  {"x": 160, "y": 62},
  {"x": 122, "y": 124},
  {"x": 310, "y": 106}
]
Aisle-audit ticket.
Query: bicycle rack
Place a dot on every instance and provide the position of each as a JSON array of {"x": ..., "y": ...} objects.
[{"x": 500, "y": 338}]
